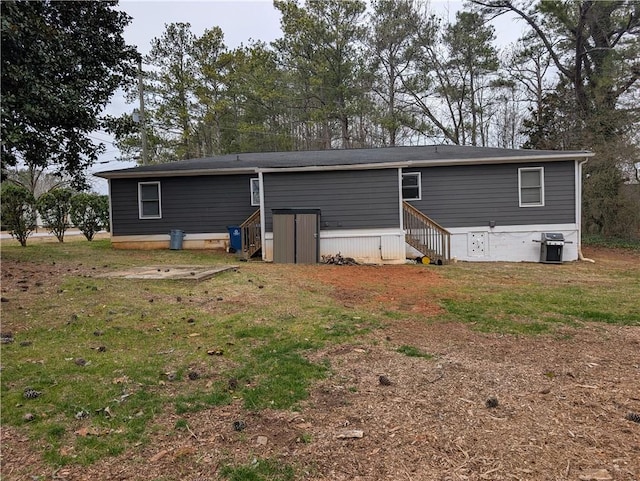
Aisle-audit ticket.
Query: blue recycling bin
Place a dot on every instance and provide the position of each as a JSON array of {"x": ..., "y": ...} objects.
[
  {"x": 175, "y": 242},
  {"x": 235, "y": 238}
]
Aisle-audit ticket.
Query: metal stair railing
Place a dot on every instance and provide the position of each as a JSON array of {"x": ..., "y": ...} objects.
[{"x": 425, "y": 235}]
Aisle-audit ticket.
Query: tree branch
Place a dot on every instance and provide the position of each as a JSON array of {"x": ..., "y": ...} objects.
[
  {"x": 427, "y": 111},
  {"x": 634, "y": 21},
  {"x": 629, "y": 83},
  {"x": 529, "y": 19}
]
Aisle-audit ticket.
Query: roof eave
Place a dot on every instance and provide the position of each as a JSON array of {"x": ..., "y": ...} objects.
[
  {"x": 319, "y": 168},
  {"x": 435, "y": 163},
  {"x": 366, "y": 166},
  {"x": 506, "y": 160},
  {"x": 131, "y": 174}
]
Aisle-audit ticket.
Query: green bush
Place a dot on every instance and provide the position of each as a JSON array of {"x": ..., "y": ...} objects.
[
  {"x": 18, "y": 211},
  {"x": 105, "y": 219},
  {"x": 87, "y": 213},
  {"x": 55, "y": 208}
]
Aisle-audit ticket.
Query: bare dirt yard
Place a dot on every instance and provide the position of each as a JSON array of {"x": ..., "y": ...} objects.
[{"x": 484, "y": 406}]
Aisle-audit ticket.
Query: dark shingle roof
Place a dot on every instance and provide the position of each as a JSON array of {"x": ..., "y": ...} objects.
[{"x": 345, "y": 159}]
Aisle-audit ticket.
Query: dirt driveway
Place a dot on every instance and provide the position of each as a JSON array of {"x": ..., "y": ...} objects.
[{"x": 484, "y": 407}]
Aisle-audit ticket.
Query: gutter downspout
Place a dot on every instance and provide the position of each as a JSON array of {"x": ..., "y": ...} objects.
[{"x": 579, "y": 211}]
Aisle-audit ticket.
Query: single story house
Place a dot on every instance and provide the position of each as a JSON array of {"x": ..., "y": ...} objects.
[{"x": 379, "y": 205}]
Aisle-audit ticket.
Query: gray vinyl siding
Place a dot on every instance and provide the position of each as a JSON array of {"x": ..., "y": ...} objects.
[
  {"x": 354, "y": 199},
  {"x": 467, "y": 196},
  {"x": 206, "y": 204}
]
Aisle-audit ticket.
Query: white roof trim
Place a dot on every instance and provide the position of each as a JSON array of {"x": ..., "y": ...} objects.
[
  {"x": 520, "y": 159},
  {"x": 175, "y": 173},
  {"x": 317, "y": 168}
]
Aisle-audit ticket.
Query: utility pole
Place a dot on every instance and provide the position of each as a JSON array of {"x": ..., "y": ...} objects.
[{"x": 143, "y": 129}]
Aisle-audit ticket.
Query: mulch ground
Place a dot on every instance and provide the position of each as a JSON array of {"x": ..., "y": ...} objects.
[{"x": 485, "y": 407}]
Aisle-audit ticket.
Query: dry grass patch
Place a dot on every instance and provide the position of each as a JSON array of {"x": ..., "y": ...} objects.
[{"x": 297, "y": 353}]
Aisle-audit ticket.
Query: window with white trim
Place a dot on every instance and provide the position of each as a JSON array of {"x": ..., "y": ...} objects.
[
  {"x": 531, "y": 186},
  {"x": 411, "y": 186},
  {"x": 255, "y": 191},
  {"x": 149, "y": 203}
]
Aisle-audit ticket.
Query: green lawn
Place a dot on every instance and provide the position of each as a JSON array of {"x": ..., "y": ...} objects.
[
  {"x": 151, "y": 347},
  {"x": 238, "y": 335},
  {"x": 532, "y": 298}
]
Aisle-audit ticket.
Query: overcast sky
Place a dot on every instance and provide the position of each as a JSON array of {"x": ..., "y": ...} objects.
[{"x": 240, "y": 21}]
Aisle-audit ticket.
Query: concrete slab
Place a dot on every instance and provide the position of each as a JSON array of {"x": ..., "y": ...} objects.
[{"x": 197, "y": 273}]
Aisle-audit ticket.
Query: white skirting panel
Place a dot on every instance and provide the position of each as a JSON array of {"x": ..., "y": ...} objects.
[
  {"x": 367, "y": 246},
  {"x": 509, "y": 243}
]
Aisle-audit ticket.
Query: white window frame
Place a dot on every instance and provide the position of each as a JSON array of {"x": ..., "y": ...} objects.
[
  {"x": 141, "y": 201},
  {"x": 412, "y": 174},
  {"x": 254, "y": 189},
  {"x": 541, "y": 187}
]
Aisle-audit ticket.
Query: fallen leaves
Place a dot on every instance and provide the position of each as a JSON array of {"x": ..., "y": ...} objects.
[{"x": 85, "y": 431}]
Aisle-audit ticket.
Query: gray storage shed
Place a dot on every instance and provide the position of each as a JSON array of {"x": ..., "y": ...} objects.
[{"x": 296, "y": 236}]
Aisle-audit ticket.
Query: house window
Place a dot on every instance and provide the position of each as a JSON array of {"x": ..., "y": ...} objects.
[
  {"x": 531, "y": 186},
  {"x": 411, "y": 186},
  {"x": 149, "y": 200},
  {"x": 255, "y": 191}
]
